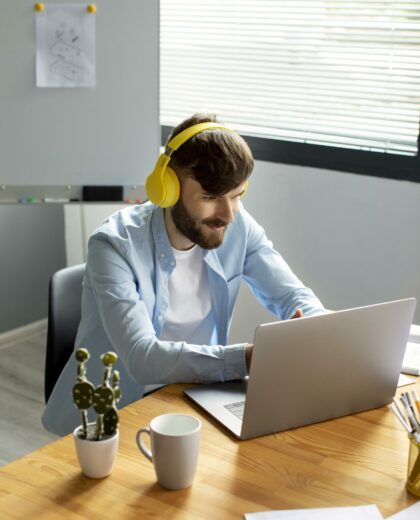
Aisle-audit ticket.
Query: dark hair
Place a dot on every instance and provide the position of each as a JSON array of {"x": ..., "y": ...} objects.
[{"x": 219, "y": 160}]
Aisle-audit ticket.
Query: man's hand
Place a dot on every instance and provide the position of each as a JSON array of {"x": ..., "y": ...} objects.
[
  {"x": 248, "y": 355},
  {"x": 249, "y": 346},
  {"x": 297, "y": 314}
]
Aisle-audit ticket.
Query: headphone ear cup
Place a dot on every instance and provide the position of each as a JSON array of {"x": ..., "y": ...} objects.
[
  {"x": 165, "y": 192},
  {"x": 154, "y": 189},
  {"x": 245, "y": 188},
  {"x": 172, "y": 188}
]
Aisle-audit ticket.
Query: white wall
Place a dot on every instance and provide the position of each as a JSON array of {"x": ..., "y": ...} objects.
[
  {"x": 106, "y": 135},
  {"x": 354, "y": 239}
]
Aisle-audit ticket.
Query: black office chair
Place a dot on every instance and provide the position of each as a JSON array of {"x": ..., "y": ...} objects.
[{"x": 64, "y": 309}]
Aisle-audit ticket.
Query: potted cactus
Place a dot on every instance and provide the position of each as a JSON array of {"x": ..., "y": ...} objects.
[{"x": 97, "y": 442}]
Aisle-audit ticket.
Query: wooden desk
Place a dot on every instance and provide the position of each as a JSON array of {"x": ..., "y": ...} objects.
[{"x": 353, "y": 460}]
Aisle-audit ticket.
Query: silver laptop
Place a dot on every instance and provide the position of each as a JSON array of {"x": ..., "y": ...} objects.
[{"x": 313, "y": 369}]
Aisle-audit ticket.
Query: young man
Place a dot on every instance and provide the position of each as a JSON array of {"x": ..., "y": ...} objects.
[{"x": 161, "y": 282}]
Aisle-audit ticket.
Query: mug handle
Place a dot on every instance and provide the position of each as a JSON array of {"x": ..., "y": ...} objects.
[{"x": 146, "y": 452}]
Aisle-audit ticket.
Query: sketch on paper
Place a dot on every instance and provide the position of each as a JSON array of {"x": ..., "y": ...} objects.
[{"x": 65, "y": 52}]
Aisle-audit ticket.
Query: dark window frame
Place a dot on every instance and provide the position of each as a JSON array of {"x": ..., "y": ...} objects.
[{"x": 364, "y": 162}]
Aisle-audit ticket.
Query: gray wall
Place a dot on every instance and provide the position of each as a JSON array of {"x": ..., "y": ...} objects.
[
  {"x": 32, "y": 249},
  {"x": 354, "y": 239}
]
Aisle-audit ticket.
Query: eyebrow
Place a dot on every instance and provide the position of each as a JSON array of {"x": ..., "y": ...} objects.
[{"x": 209, "y": 194}]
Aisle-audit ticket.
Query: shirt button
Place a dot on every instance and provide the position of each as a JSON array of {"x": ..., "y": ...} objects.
[
  {"x": 162, "y": 255},
  {"x": 160, "y": 317},
  {"x": 172, "y": 263}
]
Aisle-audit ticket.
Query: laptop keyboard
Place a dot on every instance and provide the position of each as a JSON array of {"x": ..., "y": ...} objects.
[{"x": 236, "y": 408}]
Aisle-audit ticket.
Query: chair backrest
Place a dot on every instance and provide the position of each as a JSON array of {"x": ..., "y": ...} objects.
[{"x": 64, "y": 310}]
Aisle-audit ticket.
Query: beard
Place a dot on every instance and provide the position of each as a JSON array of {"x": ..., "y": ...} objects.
[{"x": 198, "y": 231}]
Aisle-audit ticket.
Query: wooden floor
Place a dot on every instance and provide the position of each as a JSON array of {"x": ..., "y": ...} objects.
[{"x": 22, "y": 396}]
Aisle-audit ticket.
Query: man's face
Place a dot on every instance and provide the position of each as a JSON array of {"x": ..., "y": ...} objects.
[{"x": 202, "y": 217}]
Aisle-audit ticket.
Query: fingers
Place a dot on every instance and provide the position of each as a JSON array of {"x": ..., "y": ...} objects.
[
  {"x": 297, "y": 314},
  {"x": 248, "y": 355}
]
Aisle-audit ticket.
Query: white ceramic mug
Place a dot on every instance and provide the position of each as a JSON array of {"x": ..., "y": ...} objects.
[{"x": 175, "y": 443}]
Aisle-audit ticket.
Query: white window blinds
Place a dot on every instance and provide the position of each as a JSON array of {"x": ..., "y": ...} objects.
[{"x": 339, "y": 73}]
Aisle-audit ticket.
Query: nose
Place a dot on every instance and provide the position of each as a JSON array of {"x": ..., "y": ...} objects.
[{"x": 226, "y": 210}]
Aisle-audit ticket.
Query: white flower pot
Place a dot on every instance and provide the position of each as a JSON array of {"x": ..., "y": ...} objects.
[{"x": 96, "y": 458}]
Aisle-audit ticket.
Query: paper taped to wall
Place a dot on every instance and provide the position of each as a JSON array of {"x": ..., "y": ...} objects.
[{"x": 65, "y": 46}]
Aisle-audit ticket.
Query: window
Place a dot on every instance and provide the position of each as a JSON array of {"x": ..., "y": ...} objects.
[{"x": 330, "y": 84}]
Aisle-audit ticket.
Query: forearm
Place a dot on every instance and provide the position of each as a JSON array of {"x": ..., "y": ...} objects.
[
  {"x": 277, "y": 288},
  {"x": 167, "y": 362}
]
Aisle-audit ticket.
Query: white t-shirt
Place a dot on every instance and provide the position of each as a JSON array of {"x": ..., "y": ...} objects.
[{"x": 189, "y": 312}]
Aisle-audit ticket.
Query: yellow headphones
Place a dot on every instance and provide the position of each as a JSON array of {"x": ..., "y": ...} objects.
[{"x": 162, "y": 185}]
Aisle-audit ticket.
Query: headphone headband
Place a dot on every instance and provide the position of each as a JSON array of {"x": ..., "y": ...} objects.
[
  {"x": 192, "y": 131},
  {"x": 162, "y": 185}
]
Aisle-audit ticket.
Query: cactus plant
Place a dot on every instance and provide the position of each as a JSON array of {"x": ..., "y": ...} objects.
[{"x": 103, "y": 398}]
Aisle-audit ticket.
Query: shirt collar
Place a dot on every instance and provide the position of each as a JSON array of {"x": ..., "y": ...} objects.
[{"x": 160, "y": 235}]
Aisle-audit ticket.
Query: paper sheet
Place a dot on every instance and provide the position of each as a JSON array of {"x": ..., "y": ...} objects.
[
  {"x": 65, "y": 46},
  {"x": 370, "y": 512},
  {"x": 411, "y": 513}
]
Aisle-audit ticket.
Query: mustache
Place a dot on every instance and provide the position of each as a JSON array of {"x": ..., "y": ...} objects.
[{"x": 216, "y": 222}]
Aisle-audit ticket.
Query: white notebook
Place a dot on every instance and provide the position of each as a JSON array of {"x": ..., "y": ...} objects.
[
  {"x": 414, "y": 334},
  {"x": 411, "y": 361}
]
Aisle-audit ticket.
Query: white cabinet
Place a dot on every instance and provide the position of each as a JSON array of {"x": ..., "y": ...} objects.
[{"x": 80, "y": 220}]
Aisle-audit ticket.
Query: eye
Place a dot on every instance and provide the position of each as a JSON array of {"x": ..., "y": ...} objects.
[
  {"x": 237, "y": 196},
  {"x": 209, "y": 197}
]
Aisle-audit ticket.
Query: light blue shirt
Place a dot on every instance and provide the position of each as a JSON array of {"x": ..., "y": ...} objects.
[{"x": 125, "y": 300}]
